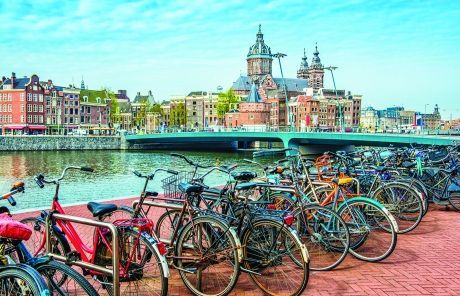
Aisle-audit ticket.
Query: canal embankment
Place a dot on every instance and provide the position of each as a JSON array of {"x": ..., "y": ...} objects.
[{"x": 47, "y": 143}]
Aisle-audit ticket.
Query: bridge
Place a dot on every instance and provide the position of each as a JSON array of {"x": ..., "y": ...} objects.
[{"x": 288, "y": 139}]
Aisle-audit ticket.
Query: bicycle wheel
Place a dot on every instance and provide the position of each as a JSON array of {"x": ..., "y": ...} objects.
[
  {"x": 36, "y": 243},
  {"x": 454, "y": 200},
  {"x": 403, "y": 202},
  {"x": 208, "y": 257},
  {"x": 21, "y": 280},
  {"x": 271, "y": 252},
  {"x": 64, "y": 280},
  {"x": 167, "y": 223},
  {"x": 144, "y": 272},
  {"x": 325, "y": 235},
  {"x": 373, "y": 230}
]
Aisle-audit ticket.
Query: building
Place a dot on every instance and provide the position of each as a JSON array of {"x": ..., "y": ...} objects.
[
  {"x": 272, "y": 90},
  {"x": 122, "y": 96},
  {"x": 22, "y": 106},
  {"x": 253, "y": 114},
  {"x": 369, "y": 119},
  {"x": 433, "y": 120},
  {"x": 95, "y": 111},
  {"x": 201, "y": 109}
]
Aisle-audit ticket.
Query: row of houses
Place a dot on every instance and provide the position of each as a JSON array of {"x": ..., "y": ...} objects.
[
  {"x": 399, "y": 119},
  {"x": 31, "y": 106}
]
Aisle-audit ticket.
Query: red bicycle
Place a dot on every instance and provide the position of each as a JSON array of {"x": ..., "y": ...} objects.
[{"x": 142, "y": 266}]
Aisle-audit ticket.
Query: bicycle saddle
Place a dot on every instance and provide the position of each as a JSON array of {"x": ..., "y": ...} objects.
[
  {"x": 244, "y": 176},
  {"x": 190, "y": 188},
  {"x": 98, "y": 209}
]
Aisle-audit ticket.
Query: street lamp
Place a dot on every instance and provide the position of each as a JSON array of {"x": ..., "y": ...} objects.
[
  {"x": 341, "y": 123},
  {"x": 279, "y": 55}
]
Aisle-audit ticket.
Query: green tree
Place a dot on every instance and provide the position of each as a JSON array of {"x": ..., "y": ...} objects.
[
  {"x": 226, "y": 101},
  {"x": 177, "y": 115}
]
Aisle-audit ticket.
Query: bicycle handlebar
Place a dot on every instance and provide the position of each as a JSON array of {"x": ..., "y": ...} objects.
[
  {"x": 190, "y": 162},
  {"x": 41, "y": 181},
  {"x": 152, "y": 175}
]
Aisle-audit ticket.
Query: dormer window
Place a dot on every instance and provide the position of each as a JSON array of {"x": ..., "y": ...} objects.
[
  {"x": 85, "y": 98},
  {"x": 98, "y": 100}
]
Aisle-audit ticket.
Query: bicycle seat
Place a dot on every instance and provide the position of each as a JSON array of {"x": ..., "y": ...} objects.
[
  {"x": 244, "y": 176},
  {"x": 190, "y": 188},
  {"x": 342, "y": 181},
  {"x": 246, "y": 186},
  {"x": 98, "y": 209}
]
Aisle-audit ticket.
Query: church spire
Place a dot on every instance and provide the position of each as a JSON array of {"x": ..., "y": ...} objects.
[
  {"x": 316, "y": 61},
  {"x": 82, "y": 86},
  {"x": 302, "y": 73}
]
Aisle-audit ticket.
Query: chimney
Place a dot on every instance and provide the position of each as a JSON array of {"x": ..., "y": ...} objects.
[
  {"x": 3, "y": 79},
  {"x": 50, "y": 82},
  {"x": 13, "y": 79}
]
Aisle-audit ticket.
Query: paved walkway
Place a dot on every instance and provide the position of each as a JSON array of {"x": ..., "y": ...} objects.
[{"x": 425, "y": 262}]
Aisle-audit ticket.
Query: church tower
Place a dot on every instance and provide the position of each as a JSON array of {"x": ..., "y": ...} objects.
[
  {"x": 259, "y": 59},
  {"x": 302, "y": 73},
  {"x": 315, "y": 72}
]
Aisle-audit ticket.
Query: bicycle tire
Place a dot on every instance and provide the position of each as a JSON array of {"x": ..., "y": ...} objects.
[
  {"x": 403, "y": 202},
  {"x": 80, "y": 284},
  {"x": 454, "y": 200},
  {"x": 207, "y": 228},
  {"x": 263, "y": 266},
  {"x": 361, "y": 230},
  {"x": 325, "y": 235},
  {"x": 124, "y": 250},
  {"x": 31, "y": 281},
  {"x": 166, "y": 224}
]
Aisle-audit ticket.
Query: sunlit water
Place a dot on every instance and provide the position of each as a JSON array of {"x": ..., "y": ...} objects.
[{"x": 113, "y": 177}]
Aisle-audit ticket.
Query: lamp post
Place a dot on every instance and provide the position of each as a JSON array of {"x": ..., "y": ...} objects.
[
  {"x": 341, "y": 123},
  {"x": 279, "y": 55},
  {"x": 423, "y": 119}
]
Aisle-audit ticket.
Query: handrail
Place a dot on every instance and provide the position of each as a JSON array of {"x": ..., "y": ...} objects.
[{"x": 114, "y": 272}]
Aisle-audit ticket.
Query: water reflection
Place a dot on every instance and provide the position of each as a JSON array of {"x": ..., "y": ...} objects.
[{"x": 112, "y": 178}]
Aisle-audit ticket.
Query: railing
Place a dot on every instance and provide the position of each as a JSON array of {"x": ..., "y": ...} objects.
[{"x": 114, "y": 272}]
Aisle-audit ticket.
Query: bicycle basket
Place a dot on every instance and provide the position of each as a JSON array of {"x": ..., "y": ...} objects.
[{"x": 171, "y": 183}]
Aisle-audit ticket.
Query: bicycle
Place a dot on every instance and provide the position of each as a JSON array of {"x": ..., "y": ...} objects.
[
  {"x": 143, "y": 268},
  {"x": 60, "y": 278}
]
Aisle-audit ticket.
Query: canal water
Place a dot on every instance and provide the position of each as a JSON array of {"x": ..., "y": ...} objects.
[{"x": 113, "y": 177}]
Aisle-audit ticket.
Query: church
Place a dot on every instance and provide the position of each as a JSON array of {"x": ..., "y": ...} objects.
[{"x": 271, "y": 90}]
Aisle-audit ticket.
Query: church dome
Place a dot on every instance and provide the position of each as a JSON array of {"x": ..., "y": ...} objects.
[
  {"x": 316, "y": 61},
  {"x": 259, "y": 48}
]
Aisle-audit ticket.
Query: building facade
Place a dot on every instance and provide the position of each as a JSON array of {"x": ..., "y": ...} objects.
[{"x": 22, "y": 105}]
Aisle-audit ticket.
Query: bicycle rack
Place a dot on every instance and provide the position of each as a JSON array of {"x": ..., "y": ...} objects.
[{"x": 114, "y": 272}]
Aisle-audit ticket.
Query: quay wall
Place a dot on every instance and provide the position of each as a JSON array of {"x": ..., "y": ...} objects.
[{"x": 40, "y": 143}]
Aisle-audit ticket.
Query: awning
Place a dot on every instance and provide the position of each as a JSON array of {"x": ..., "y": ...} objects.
[
  {"x": 14, "y": 127},
  {"x": 37, "y": 127}
]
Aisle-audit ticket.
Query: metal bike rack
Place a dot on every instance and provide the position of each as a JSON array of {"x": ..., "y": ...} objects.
[
  {"x": 165, "y": 205},
  {"x": 114, "y": 272}
]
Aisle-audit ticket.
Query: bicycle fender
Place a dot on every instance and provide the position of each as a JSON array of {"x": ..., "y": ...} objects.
[
  {"x": 153, "y": 242},
  {"x": 239, "y": 248},
  {"x": 303, "y": 248},
  {"x": 375, "y": 203}
]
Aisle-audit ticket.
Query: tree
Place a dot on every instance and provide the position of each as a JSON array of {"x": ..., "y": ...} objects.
[
  {"x": 226, "y": 101},
  {"x": 177, "y": 115}
]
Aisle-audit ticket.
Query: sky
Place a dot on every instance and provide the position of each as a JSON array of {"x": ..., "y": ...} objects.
[{"x": 403, "y": 53}]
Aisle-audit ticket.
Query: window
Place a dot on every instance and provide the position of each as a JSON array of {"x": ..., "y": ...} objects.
[
  {"x": 35, "y": 96},
  {"x": 1, "y": 118},
  {"x": 76, "y": 111},
  {"x": 29, "y": 118},
  {"x": 65, "y": 119},
  {"x": 29, "y": 107},
  {"x": 4, "y": 107},
  {"x": 35, "y": 119},
  {"x": 40, "y": 118},
  {"x": 35, "y": 108},
  {"x": 10, "y": 97},
  {"x": 40, "y": 98},
  {"x": 40, "y": 108},
  {"x": 71, "y": 111},
  {"x": 29, "y": 97},
  {"x": 82, "y": 119},
  {"x": 71, "y": 120},
  {"x": 10, "y": 108}
]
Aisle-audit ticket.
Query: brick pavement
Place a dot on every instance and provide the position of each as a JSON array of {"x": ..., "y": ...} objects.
[{"x": 425, "y": 262}]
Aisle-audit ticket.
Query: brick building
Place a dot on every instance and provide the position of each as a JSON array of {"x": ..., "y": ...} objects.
[
  {"x": 95, "y": 111},
  {"x": 22, "y": 105}
]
